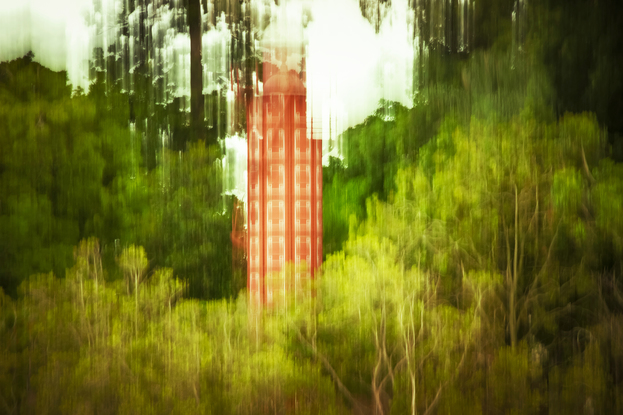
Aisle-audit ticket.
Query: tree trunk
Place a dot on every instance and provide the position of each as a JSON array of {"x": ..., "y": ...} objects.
[
  {"x": 196, "y": 81},
  {"x": 513, "y": 290}
]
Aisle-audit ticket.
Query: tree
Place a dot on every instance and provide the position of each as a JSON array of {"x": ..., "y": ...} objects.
[
  {"x": 59, "y": 169},
  {"x": 382, "y": 331},
  {"x": 503, "y": 199}
]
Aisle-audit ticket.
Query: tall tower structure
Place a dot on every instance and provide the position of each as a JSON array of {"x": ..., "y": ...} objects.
[{"x": 284, "y": 186}]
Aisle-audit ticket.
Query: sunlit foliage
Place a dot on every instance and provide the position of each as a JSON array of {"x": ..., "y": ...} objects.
[
  {"x": 72, "y": 167},
  {"x": 83, "y": 347}
]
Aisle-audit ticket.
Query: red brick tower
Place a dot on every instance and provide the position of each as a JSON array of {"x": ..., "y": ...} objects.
[{"x": 284, "y": 191}]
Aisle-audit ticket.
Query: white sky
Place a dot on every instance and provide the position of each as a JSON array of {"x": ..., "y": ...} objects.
[
  {"x": 349, "y": 66},
  {"x": 47, "y": 27}
]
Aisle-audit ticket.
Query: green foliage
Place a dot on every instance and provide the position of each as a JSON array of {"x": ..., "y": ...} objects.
[
  {"x": 582, "y": 385},
  {"x": 503, "y": 223},
  {"x": 71, "y": 168},
  {"x": 383, "y": 324},
  {"x": 56, "y": 166},
  {"x": 513, "y": 376},
  {"x": 577, "y": 44},
  {"x": 499, "y": 85},
  {"x": 473, "y": 244},
  {"x": 342, "y": 199},
  {"x": 183, "y": 221},
  {"x": 76, "y": 345},
  {"x": 609, "y": 202}
]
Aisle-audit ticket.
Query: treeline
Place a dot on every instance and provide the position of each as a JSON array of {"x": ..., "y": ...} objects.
[
  {"x": 76, "y": 165},
  {"x": 488, "y": 281},
  {"x": 473, "y": 242},
  {"x": 84, "y": 344}
]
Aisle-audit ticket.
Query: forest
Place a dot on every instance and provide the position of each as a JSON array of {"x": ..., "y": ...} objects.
[{"x": 473, "y": 244}]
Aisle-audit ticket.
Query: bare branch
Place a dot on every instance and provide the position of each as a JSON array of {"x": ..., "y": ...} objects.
[
  {"x": 435, "y": 401},
  {"x": 590, "y": 177},
  {"x": 547, "y": 259},
  {"x": 343, "y": 389}
]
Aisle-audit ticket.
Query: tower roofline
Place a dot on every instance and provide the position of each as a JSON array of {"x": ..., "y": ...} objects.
[{"x": 284, "y": 82}]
